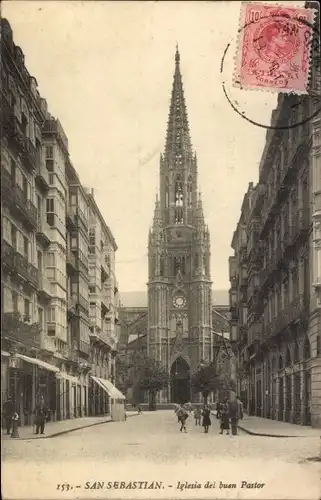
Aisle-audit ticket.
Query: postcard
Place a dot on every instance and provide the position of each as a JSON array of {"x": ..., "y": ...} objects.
[{"x": 160, "y": 250}]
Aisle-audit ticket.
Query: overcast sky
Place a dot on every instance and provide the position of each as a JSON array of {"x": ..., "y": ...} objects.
[{"x": 106, "y": 70}]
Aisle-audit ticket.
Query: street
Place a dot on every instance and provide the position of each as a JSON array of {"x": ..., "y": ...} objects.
[{"x": 147, "y": 457}]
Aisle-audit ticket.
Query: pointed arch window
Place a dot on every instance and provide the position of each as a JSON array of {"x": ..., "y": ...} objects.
[
  {"x": 179, "y": 201},
  {"x": 166, "y": 193},
  {"x": 189, "y": 191},
  {"x": 161, "y": 266}
]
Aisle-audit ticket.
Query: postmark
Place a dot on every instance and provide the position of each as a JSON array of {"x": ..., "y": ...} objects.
[{"x": 274, "y": 46}]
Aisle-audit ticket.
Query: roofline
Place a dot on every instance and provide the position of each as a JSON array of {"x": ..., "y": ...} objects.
[{"x": 92, "y": 200}]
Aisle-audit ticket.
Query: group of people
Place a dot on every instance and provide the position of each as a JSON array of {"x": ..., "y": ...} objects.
[
  {"x": 228, "y": 411},
  {"x": 10, "y": 415},
  {"x": 183, "y": 411}
]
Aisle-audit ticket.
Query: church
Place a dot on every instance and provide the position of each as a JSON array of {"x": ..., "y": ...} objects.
[{"x": 178, "y": 319}]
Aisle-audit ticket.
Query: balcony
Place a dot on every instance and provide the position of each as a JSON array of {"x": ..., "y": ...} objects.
[
  {"x": 71, "y": 306},
  {"x": 7, "y": 255},
  {"x": 25, "y": 270},
  {"x": 14, "y": 327},
  {"x": 48, "y": 344},
  {"x": 15, "y": 198},
  {"x": 42, "y": 176},
  {"x": 300, "y": 224},
  {"x": 44, "y": 289},
  {"x": 29, "y": 153},
  {"x": 292, "y": 313},
  {"x": 43, "y": 232},
  {"x": 243, "y": 334},
  {"x": 105, "y": 271},
  {"x": 84, "y": 348},
  {"x": 71, "y": 221},
  {"x": 254, "y": 332},
  {"x": 71, "y": 261},
  {"x": 83, "y": 304}
]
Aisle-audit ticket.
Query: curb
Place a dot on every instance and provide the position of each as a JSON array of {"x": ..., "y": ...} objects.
[
  {"x": 266, "y": 435},
  {"x": 61, "y": 433}
]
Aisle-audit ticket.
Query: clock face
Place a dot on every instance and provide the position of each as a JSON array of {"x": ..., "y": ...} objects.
[{"x": 179, "y": 301}]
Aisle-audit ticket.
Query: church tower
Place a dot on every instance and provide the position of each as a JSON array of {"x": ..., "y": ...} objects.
[{"x": 179, "y": 285}]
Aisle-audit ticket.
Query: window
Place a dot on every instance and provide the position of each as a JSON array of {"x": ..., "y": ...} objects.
[
  {"x": 92, "y": 237},
  {"x": 92, "y": 289},
  {"x": 161, "y": 272},
  {"x": 189, "y": 192},
  {"x": 318, "y": 345},
  {"x": 51, "y": 179},
  {"x": 50, "y": 208},
  {"x": 7, "y": 230},
  {"x": 49, "y": 152},
  {"x": 14, "y": 236},
  {"x": 50, "y": 259},
  {"x": 51, "y": 314},
  {"x": 26, "y": 309},
  {"x": 15, "y": 301},
  {"x": 25, "y": 247}
]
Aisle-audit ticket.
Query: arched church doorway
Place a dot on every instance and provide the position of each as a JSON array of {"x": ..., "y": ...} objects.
[{"x": 180, "y": 382}]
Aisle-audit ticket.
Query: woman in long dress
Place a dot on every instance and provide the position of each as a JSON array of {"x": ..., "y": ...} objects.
[
  {"x": 206, "y": 413},
  {"x": 225, "y": 418}
]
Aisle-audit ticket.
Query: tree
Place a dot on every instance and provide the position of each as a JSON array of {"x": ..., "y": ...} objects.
[
  {"x": 205, "y": 380},
  {"x": 208, "y": 379},
  {"x": 152, "y": 377}
]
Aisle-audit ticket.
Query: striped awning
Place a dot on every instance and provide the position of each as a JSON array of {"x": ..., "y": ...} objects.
[
  {"x": 108, "y": 387},
  {"x": 38, "y": 362}
]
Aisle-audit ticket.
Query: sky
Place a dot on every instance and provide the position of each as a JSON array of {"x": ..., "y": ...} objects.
[{"x": 106, "y": 71}]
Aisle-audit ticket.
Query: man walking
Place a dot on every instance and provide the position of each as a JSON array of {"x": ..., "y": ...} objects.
[
  {"x": 182, "y": 415},
  {"x": 234, "y": 414},
  {"x": 8, "y": 410},
  {"x": 41, "y": 414}
]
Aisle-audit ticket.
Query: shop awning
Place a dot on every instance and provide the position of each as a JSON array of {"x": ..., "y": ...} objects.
[
  {"x": 107, "y": 386},
  {"x": 39, "y": 362},
  {"x": 5, "y": 354},
  {"x": 72, "y": 379}
]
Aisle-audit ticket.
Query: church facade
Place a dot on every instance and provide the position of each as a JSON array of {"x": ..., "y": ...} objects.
[{"x": 179, "y": 332}]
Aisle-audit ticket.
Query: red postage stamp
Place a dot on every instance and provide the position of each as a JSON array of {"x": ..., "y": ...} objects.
[{"x": 274, "y": 48}]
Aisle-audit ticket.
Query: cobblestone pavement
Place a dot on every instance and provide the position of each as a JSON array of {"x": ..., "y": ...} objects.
[{"x": 151, "y": 448}]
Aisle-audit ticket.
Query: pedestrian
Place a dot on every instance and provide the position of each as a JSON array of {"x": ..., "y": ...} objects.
[
  {"x": 206, "y": 413},
  {"x": 182, "y": 415},
  {"x": 224, "y": 417},
  {"x": 41, "y": 414},
  {"x": 234, "y": 413},
  {"x": 139, "y": 410},
  {"x": 8, "y": 411},
  {"x": 197, "y": 416},
  {"x": 218, "y": 409},
  {"x": 177, "y": 407},
  {"x": 240, "y": 408}
]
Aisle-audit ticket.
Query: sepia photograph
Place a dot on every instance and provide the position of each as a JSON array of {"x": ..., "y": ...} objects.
[{"x": 160, "y": 250}]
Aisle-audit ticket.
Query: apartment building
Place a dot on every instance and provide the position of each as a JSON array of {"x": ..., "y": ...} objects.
[
  {"x": 279, "y": 346},
  {"x": 25, "y": 289},
  {"x": 103, "y": 308},
  {"x": 46, "y": 342}
]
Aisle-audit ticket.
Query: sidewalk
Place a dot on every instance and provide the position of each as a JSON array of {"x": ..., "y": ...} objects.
[
  {"x": 257, "y": 426},
  {"x": 54, "y": 429}
]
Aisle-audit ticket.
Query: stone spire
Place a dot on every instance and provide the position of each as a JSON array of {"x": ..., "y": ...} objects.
[{"x": 178, "y": 140}]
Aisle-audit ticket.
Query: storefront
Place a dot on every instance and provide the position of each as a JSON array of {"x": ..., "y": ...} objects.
[
  {"x": 117, "y": 399},
  {"x": 25, "y": 380}
]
